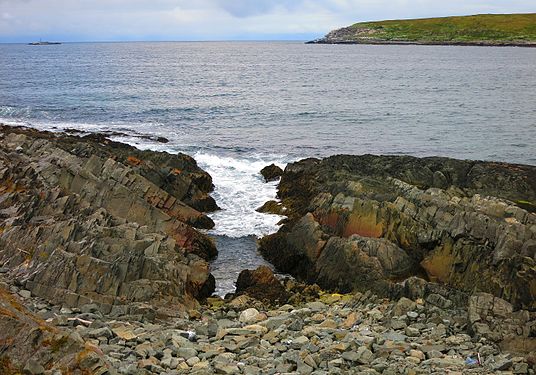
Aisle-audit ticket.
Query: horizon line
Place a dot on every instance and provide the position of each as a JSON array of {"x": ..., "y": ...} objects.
[{"x": 164, "y": 41}]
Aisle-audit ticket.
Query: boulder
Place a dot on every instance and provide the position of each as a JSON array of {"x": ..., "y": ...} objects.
[
  {"x": 271, "y": 172},
  {"x": 495, "y": 319},
  {"x": 272, "y": 207},
  {"x": 262, "y": 285}
]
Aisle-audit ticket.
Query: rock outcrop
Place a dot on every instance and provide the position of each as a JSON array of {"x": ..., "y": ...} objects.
[
  {"x": 271, "y": 172},
  {"x": 370, "y": 222},
  {"x": 87, "y": 220}
]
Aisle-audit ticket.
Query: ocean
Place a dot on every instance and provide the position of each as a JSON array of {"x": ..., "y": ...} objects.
[{"x": 238, "y": 106}]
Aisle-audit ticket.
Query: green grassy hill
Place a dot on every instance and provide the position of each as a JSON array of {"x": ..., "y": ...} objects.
[{"x": 492, "y": 29}]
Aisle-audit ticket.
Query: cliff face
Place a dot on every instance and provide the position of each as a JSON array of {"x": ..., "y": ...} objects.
[
  {"x": 483, "y": 29},
  {"x": 371, "y": 222},
  {"x": 87, "y": 220}
]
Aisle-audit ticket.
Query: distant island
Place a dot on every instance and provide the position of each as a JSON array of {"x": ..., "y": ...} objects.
[{"x": 479, "y": 30}]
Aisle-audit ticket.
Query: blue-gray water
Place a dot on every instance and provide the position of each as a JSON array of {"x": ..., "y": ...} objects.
[{"x": 237, "y": 106}]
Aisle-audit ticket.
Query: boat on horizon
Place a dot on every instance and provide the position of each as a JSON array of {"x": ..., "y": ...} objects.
[{"x": 41, "y": 43}]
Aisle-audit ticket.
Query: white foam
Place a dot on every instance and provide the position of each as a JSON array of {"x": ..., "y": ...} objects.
[{"x": 239, "y": 191}]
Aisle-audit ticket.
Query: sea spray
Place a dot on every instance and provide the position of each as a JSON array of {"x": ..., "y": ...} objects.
[{"x": 239, "y": 191}]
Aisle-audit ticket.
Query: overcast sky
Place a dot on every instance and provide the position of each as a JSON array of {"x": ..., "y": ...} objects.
[{"x": 111, "y": 20}]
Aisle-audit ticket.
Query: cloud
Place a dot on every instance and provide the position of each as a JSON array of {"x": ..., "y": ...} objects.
[
  {"x": 246, "y": 8},
  {"x": 21, "y": 20}
]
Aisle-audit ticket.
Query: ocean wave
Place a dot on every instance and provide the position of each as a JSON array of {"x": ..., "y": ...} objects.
[{"x": 239, "y": 191}]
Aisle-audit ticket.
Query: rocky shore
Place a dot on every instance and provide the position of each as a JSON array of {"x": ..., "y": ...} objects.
[
  {"x": 423, "y": 266},
  {"x": 393, "y": 224},
  {"x": 340, "y": 37},
  {"x": 319, "y": 333},
  {"x": 437, "y": 229}
]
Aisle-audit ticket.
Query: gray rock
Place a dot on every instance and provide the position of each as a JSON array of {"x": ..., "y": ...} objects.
[
  {"x": 296, "y": 325},
  {"x": 226, "y": 368},
  {"x": 439, "y": 301},
  {"x": 25, "y": 293},
  {"x": 433, "y": 354},
  {"x": 32, "y": 367},
  {"x": 304, "y": 368},
  {"x": 403, "y": 306},
  {"x": 444, "y": 362},
  {"x": 398, "y": 324},
  {"x": 193, "y": 361},
  {"x": 316, "y": 306},
  {"x": 394, "y": 336},
  {"x": 412, "y": 332},
  {"x": 101, "y": 332},
  {"x": 274, "y": 322},
  {"x": 350, "y": 356},
  {"x": 249, "y": 316},
  {"x": 91, "y": 308},
  {"x": 502, "y": 364},
  {"x": 521, "y": 368},
  {"x": 364, "y": 355}
]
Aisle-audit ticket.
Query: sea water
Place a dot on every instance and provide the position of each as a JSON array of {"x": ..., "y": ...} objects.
[{"x": 238, "y": 106}]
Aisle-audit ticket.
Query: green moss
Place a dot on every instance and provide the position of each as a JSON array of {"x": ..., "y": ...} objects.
[
  {"x": 499, "y": 28},
  {"x": 526, "y": 205}
]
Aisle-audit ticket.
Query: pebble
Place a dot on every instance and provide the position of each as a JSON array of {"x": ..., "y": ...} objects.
[
  {"x": 249, "y": 316},
  {"x": 25, "y": 294}
]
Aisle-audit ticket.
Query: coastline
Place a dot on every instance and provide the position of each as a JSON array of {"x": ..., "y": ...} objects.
[
  {"x": 422, "y": 43},
  {"x": 99, "y": 253}
]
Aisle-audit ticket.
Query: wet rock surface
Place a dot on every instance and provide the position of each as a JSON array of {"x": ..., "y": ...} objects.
[
  {"x": 91, "y": 221},
  {"x": 371, "y": 222}
]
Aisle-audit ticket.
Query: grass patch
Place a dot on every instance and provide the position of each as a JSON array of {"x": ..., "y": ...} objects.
[{"x": 463, "y": 29}]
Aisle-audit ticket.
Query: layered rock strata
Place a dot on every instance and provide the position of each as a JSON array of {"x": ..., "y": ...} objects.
[
  {"x": 88, "y": 220},
  {"x": 371, "y": 222}
]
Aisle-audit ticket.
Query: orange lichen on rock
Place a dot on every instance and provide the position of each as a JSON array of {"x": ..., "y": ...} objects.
[
  {"x": 8, "y": 186},
  {"x": 365, "y": 226},
  {"x": 438, "y": 264},
  {"x": 176, "y": 171},
  {"x": 134, "y": 160},
  {"x": 330, "y": 220}
]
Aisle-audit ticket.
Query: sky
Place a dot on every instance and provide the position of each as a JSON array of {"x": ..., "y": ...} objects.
[{"x": 129, "y": 20}]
